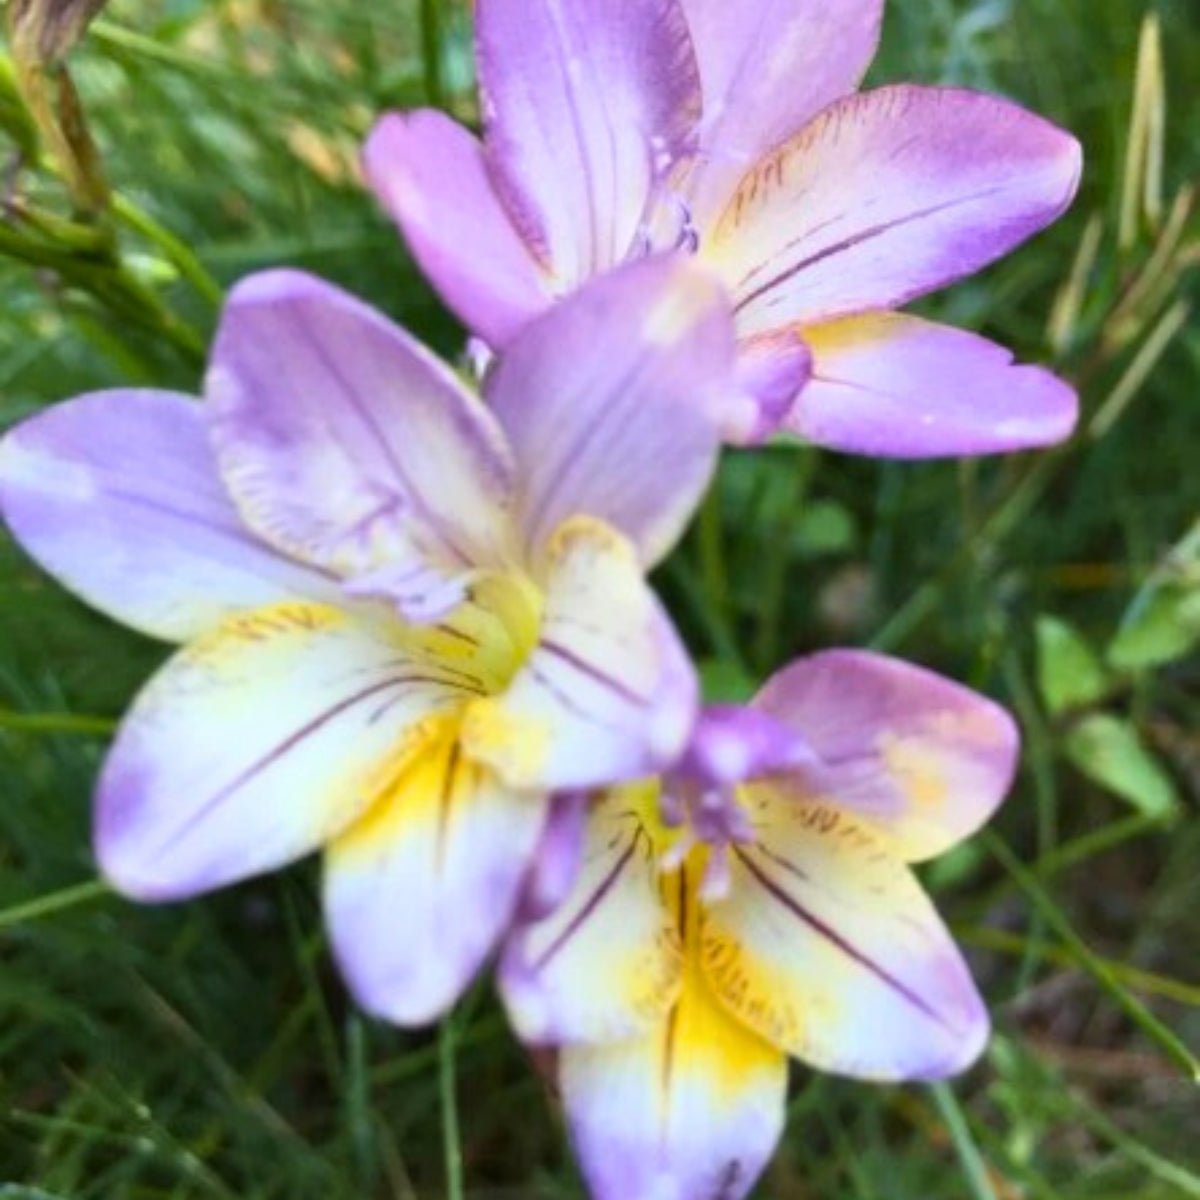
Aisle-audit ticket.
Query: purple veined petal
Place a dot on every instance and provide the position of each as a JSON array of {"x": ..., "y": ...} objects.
[
  {"x": 897, "y": 386},
  {"x": 116, "y": 495},
  {"x": 420, "y": 590},
  {"x": 419, "y": 892},
  {"x": 586, "y": 108},
  {"x": 606, "y": 962},
  {"x": 771, "y": 372},
  {"x": 731, "y": 745},
  {"x": 346, "y": 443},
  {"x": 918, "y": 756},
  {"x": 886, "y": 196},
  {"x": 692, "y": 1108},
  {"x": 431, "y": 175},
  {"x": 767, "y": 69},
  {"x": 828, "y": 948},
  {"x": 257, "y": 743},
  {"x": 559, "y": 857},
  {"x": 610, "y": 403},
  {"x": 608, "y": 693}
]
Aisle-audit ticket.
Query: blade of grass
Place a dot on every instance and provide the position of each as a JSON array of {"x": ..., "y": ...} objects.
[
  {"x": 974, "y": 1168},
  {"x": 55, "y": 902},
  {"x": 451, "y": 1136},
  {"x": 1167, "y": 1041}
]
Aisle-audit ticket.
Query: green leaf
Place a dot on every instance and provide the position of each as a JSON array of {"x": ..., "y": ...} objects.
[
  {"x": 1109, "y": 751},
  {"x": 1163, "y": 623},
  {"x": 1070, "y": 673},
  {"x": 1163, "y": 626}
]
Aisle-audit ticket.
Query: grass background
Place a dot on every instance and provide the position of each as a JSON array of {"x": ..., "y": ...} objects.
[{"x": 208, "y": 1051}]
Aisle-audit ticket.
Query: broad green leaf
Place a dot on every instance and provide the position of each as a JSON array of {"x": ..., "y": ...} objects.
[
  {"x": 1070, "y": 673},
  {"x": 1162, "y": 627},
  {"x": 1163, "y": 623},
  {"x": 1109, "y": 751}
]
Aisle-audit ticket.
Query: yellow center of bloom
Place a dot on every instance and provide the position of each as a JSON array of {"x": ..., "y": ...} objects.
[
  {"x": 701, "y": 1043},
  {"x": 475, "y": 652}
]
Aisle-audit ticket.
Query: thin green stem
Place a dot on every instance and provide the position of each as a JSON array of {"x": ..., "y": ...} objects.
[
  {"x": 176, "y": 251},
  {"x": 431, "y": 52},
  {"x": 714, "y": 574},
  {"x": 54, "y": 902},
  {"x": 1171, "y": 1045},
  {"x": 451, "y": 1136},
  {"x": 56, "y": 723},
  {"x": 974, "y": 1168}
]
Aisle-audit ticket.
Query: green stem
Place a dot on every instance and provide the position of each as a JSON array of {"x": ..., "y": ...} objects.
[
  {"x": 451, "y": 1137},
  {"x": 56, "y": 723},
  {"x": 714, "y": 574},
  {"x": 1092, "y": 963},
  {"x": 974, "y": 1168},
  {"x": 176, "y": 251},
  {"x": 55, "y": 902},
  {"x": 431, "y": 52}
]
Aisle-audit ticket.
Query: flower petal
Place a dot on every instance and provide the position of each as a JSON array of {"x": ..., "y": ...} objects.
[
  {"x": 919, "y": 757},
  {"x": 431, "y": 175},
  {"x": 345, "y": 442},
  {"x": 898, "y": 386},
  {"x": 606, "y": 964},
  {"x": 559, "y": 857},
  {"x": 610, "y": 402},
  {"x": 419, "y": 892},
  {"x": 116, "y": 495},
  {"x": 771, "y": 371},
  {"x": 828, "y": 948},
  {"x": 768, "y": 68},
  {"x": 888, "y": 195},
  {"x": 608, "y": 694},
  {"x": 255, "y": 744},
  {"x": 691, "y": 1109},
  {"x": 586, "y": 107}
]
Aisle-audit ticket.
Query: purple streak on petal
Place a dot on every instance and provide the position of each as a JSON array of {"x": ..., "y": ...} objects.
[
  {"x": 116, "y": 494},
  {"x": 252, "y": 746},
  {"x": 900, "y": 387},
  {"x": 886, "y": 196},
  {"x": 653, "y": 1118},
  {"x": 601, "y": 964},
  {"x": 419, "y": 897},
  {"x": 586, "y": 108},
  {"x": 832, "y": 936},
  {"x": 422, "y": 594},
  {"x": 768, "y": 68},
  {"x": 431, "y": 175},
  {"x": 346, "y": 442},
  {"x": 594, "y": 673}
]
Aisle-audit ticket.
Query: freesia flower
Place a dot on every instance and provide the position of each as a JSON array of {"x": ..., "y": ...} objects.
[
  {"x": 731, "y": 130},
  {"x": 408, "y": 617},
  {"x": 757, "y": 903}
]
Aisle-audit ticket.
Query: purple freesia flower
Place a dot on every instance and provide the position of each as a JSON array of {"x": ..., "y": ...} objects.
[
  {"x": 732, "y": 130},
  {"x": 408, "y": 618},
  {"x": 756, "y": 904}
]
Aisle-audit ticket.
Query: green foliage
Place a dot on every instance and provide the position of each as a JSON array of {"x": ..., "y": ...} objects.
[{"x": 208, "y": 1050}]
